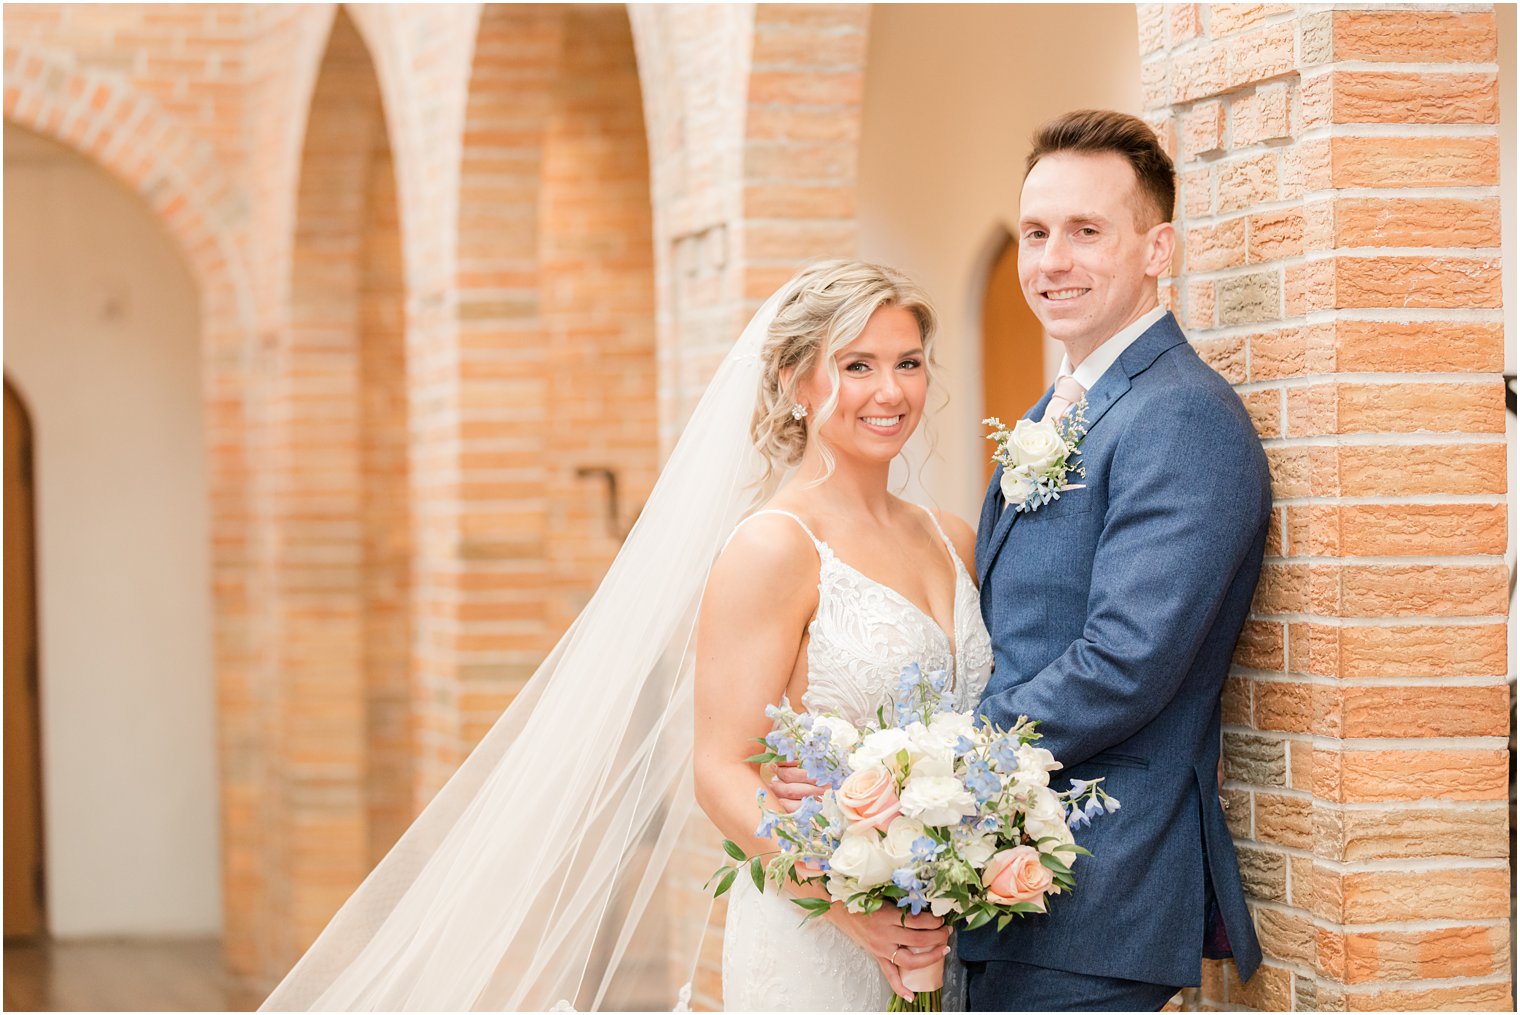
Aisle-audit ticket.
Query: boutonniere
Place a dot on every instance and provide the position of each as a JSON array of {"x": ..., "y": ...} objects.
[{"x": 1038, "y": 459}]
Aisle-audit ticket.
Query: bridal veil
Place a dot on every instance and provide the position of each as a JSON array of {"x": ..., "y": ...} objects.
[{"x": 526, "y": 881}]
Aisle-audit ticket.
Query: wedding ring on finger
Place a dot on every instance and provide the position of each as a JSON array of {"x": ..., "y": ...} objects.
[{"x": 893, "y": 959}]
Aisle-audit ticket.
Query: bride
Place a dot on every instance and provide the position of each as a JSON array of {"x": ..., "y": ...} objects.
[
  {"x": 822, "y": 597},
  {"x": 542, "y": 872}
]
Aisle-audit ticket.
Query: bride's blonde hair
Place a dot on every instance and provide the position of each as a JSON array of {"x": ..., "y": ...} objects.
[{"x": 829, "y": 309}]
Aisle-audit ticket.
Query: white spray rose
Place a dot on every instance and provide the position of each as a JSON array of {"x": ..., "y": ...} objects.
[
  {"x": 1046, "y": 817},
  {"x": 862, "y": 858},
  {"x": 977, "y": 850},
  {"x": 1035, "y": 766},
  {"x": 937, "y": 799},
  {"x": 931, "y": 752},
  {"x": 843, "y": 736},
  {"x": 1036, "y": 446},
  {"x": 901, "y": 834},
  {"x": 1017, "y": 485},
  {"x": 951, "y": 726},
  {"x": 880, "y": 748}
]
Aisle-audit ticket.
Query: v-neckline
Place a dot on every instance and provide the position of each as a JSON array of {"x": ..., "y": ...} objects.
[{"x": 955, "y": 598}]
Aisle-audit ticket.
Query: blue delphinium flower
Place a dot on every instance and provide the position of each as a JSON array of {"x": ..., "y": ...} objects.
[
  {"x": 982, "y": 782},
  {"x": 1005, "y": 755},
  {"x": 988, "y": 824},
  {"x": 809, "y": 808},
  {"x": 914, "y": 901},
  {"x": 964, "y": 746},
  {"x": 926, "y": 849},
  {"x": 1092, "y": 808},
  {"x": 768, "y": 821}
]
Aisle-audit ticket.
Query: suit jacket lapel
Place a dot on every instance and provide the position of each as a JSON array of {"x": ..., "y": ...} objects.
[
  {"x": 1111, "y": 387},
  {"x": 996, "y": 521}
]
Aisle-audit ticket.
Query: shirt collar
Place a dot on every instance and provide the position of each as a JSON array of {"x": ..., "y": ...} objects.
[{"x": 1104, "y": 356}]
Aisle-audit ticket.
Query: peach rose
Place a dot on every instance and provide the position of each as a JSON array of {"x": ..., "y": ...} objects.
[
  {"x": 1016, "y": 875},
  {"x": 869, "y": 798}
]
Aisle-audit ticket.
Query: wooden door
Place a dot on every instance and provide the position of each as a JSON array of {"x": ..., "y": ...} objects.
[
  {"x": 1013, "y": 345},
  {"x": 23, "y": 768}
]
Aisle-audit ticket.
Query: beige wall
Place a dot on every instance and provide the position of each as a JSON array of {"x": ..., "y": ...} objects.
[
  {"x": 101, "y": 340},
  {"x": 952, "y": 94}
]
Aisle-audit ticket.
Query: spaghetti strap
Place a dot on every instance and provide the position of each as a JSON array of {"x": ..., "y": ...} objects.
[
  {"x": 818, "y": 544},
  {"x": 955, "y": 556}
]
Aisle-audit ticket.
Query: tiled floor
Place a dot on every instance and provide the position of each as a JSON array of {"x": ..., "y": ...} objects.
[{"x": 122, "y": 975}]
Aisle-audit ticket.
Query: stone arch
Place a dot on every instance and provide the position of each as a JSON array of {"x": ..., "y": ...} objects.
[{"x": 339, "y": 467}]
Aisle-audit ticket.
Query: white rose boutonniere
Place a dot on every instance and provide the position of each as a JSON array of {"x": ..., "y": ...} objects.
[{"x": 1038, "y": 457}]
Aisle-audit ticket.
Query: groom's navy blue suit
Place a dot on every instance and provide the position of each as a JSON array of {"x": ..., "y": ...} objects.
[{"x": 1114, "y": 612}]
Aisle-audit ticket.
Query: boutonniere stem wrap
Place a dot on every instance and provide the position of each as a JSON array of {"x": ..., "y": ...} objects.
[{"x": 1039, "y": 458}]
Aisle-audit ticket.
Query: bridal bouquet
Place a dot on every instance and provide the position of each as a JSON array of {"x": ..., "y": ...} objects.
[{"x": 925, "y": 808}]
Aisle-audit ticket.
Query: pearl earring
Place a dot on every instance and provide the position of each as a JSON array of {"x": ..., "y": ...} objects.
[{"x": 798, "y": 411}]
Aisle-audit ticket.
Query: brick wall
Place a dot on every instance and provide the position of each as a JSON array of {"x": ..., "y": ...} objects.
[
  {"x": 1339, "y": 217},
  {"x": 1339, "y": 223}
]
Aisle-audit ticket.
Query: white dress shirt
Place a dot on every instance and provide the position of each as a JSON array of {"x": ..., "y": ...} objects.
[{"x": 1104, "y": 356}]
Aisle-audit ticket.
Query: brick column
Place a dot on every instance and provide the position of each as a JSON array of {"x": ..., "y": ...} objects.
[{"x": 1340, "y": 221}]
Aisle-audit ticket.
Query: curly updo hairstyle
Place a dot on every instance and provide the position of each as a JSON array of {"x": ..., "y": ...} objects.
[{"x": 828, "y": 309}]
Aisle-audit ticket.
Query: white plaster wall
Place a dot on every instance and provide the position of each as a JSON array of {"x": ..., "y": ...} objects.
[
  {"x": 102, "y": 342},
  {"x": 953, "y": 92}
]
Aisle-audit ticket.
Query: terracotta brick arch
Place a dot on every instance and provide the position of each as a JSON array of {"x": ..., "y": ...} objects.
[{"x": 126, "y": 133}]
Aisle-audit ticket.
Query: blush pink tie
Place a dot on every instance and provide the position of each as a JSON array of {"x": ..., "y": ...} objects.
[{"x": 1068, "y": 393}]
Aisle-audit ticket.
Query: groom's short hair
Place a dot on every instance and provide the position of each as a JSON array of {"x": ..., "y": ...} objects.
[{"x": 1131, "y": 138}]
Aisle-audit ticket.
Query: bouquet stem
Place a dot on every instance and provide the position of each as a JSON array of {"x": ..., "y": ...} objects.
[{"x": 929, "y": 1001}]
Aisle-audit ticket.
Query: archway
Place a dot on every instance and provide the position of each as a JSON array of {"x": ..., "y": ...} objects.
[
  {"x": 340, "y": 466},
  {"x": 946, "y": 121},
  {"x": 104, "y": 337},
  {"x": 25, "y": 902},
  {"x": 1013, "y": 341},
  {"x": 558, "y": 433}
]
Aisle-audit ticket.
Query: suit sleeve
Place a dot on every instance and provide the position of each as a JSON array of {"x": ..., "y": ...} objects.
[{"x": 1189, "y": 500}]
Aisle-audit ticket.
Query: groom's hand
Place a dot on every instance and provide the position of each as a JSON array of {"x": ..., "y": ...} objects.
[{"x": 789, "y": 786}]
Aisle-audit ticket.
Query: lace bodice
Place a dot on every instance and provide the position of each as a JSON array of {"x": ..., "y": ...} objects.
[
  {"x": 862, "y": 636},
  {"x": 865, "y": 632}
]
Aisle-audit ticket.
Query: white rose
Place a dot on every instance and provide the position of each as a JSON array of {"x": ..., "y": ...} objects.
[
  {"x": 1017, "y": 484},
  {"x": 937, "y": 799},
  {"x": 862, "y": 858},
  {"x": 880, "y": 748},
  {"x": 940, "y": 907},
  {"x": 842, "y": 735},
  {"x": 901, "y": 834},
  {"x": 951, "y": 726},
  {"x": 1036, "y": 446},
  {"x": 977, "y": 850},
  {"x": 1046, "y": 818},
  {"x": 931, "y": 753},
  {"x": 1035, "y": 766}
]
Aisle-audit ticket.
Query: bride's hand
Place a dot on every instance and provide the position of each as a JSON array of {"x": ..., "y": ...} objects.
[
  {"x": 896, "y": 940},
  {"x": 789, "y": 786}
]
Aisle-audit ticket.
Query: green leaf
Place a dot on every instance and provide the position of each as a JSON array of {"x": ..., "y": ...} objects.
[
  {"x": 1054, "y": 863},
  {"x": 726, "y": 883},
  {"x": 815, "y": 907},
  {"x": 763, "y": 758},
  {"x": 1025, "y": 907},
  {"x": 757, "y": 874},
  {"x": 1004, "y": 921},
  {"x": 979, "y": 920},
  {"x": 732, "y": 849}
]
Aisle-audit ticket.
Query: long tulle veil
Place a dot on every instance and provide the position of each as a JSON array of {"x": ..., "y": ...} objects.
[{"x": 526, "y": 880}]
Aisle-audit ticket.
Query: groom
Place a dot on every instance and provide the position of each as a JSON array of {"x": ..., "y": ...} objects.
[{"x": 1114, "y": 610}]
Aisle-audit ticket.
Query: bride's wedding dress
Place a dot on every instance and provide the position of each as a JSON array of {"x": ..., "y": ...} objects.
[{"x": 863, "y": 635}]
